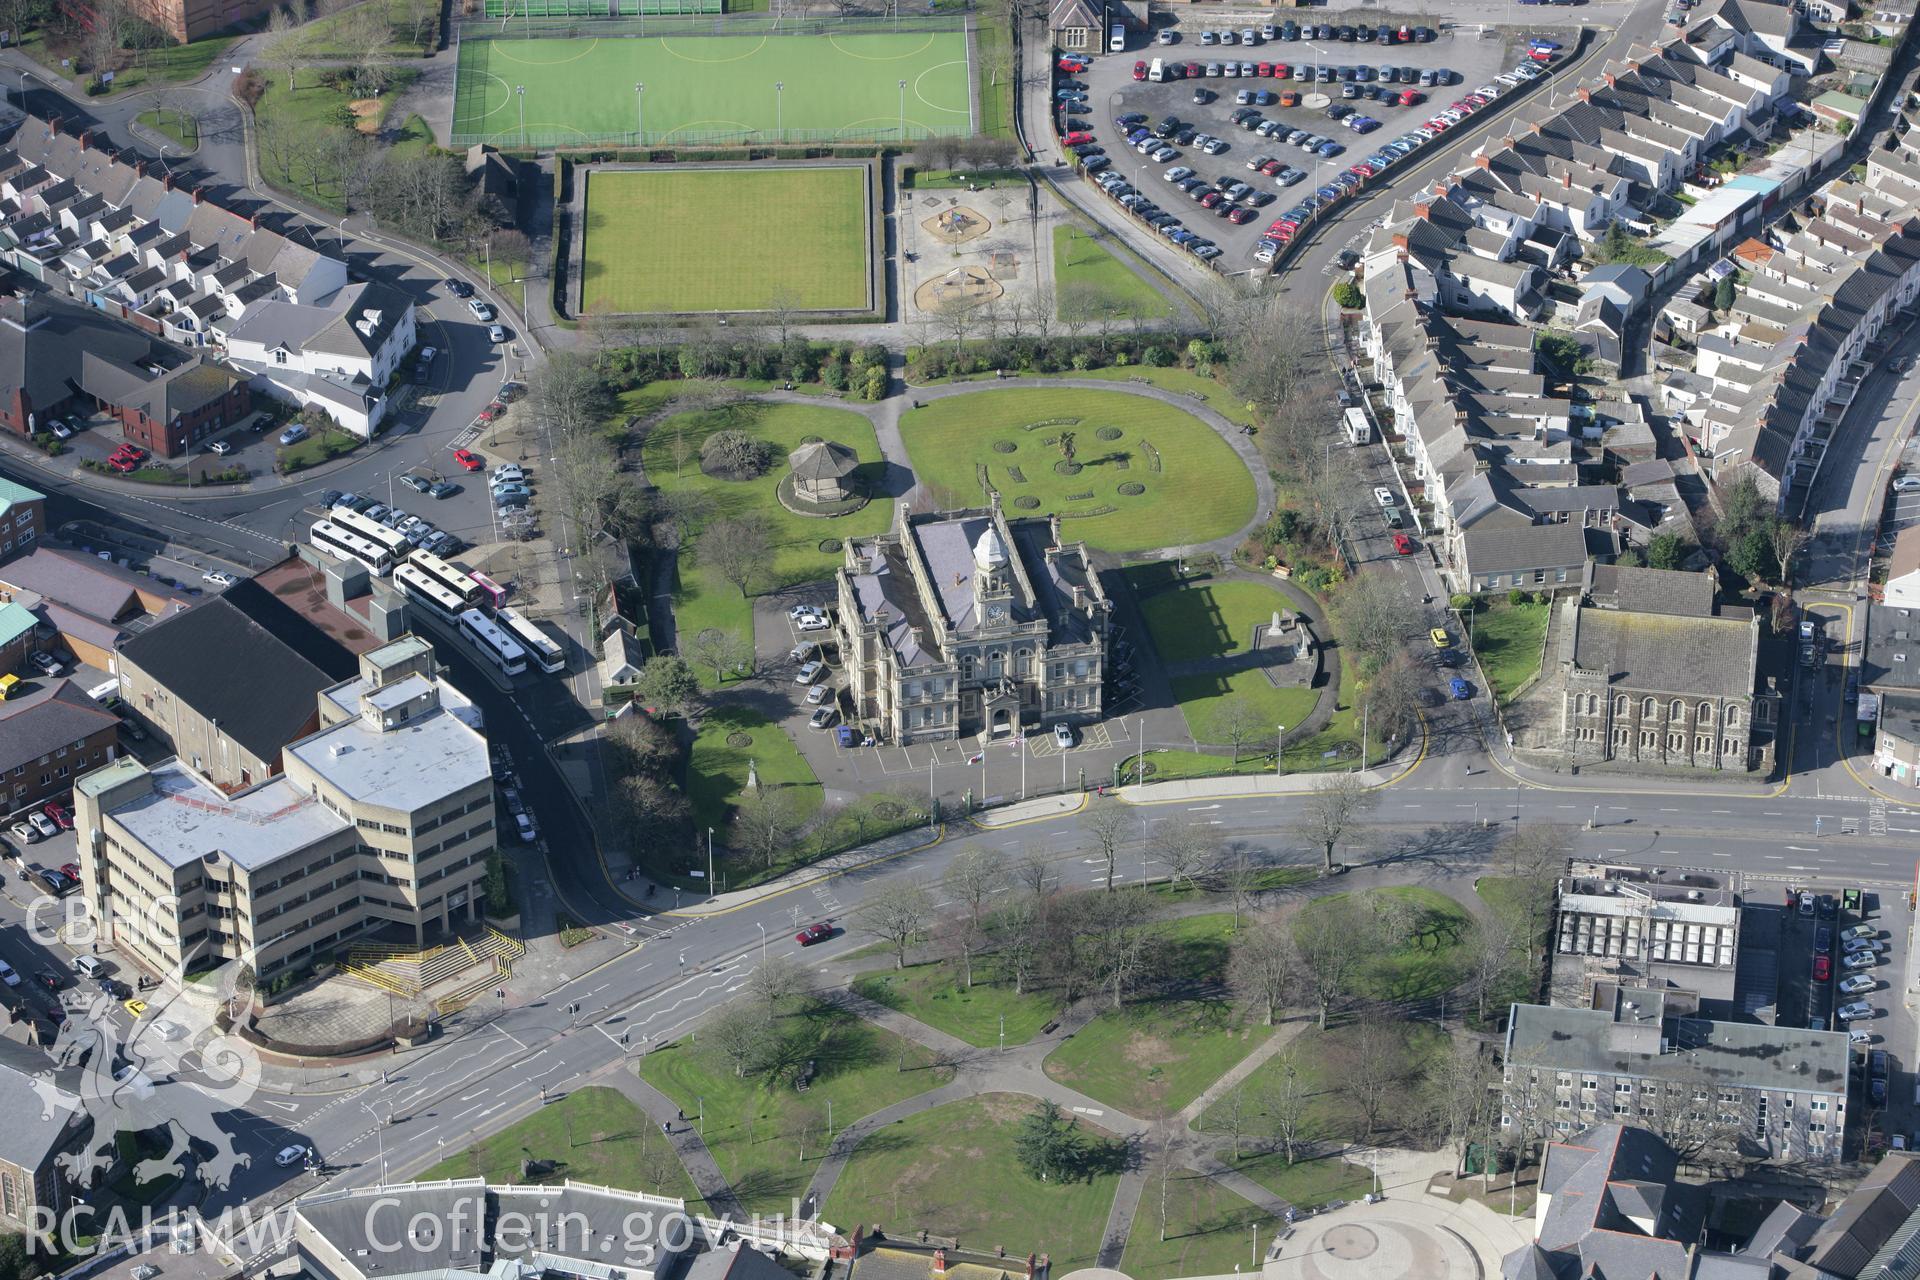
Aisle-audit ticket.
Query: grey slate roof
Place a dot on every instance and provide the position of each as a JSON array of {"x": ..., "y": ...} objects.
[
  {"x": 1667, "y": 653},
  {"x": 1890, "y": 658},
  {"x": 1549, "y": 546},
  {"x": 51, "y": 717}
]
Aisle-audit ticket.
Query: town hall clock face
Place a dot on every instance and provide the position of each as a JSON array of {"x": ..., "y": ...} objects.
[{"x": 996, "y": 613}]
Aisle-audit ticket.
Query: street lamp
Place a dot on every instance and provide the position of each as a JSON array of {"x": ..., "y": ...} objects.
[
  {"x": 520, "y": 94},
  {"x": 779, "y": 115},
  {"x": 763, "y": 944},
  {"x": 640, "y": 112},
  {"x": 903, "y": 111},
  {"x": 1279, "y": 749}
]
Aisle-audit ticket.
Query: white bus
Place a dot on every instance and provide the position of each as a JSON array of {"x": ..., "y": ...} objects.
[
  {"x": 420, "y": 588},
  {"x": 1157, "y": 71},
  {"x": 451, "y": 577},
  {"x": 492, "y": 643},
  {"x": 344, "y": 544},
  {"x": 546, "y": 654},
  {"x": 373, "y": 531}
]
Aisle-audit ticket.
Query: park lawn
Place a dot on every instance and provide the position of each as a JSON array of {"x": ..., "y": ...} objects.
[
  {"x": 1200, "y": 386},
  {"x": 935, "y": 994},
  {"x": 1195, "y": 486},
  {"x": 993, "y": 48},
  {"x": 1432, "y": 961},
  {"x": 1506, "y": 640},
  {"x": 1154, "y": 1056},
  {"x": 717, "y": 770},
  {"x": 1211, "y": 618},
  {"x": 1306, "y": 1183},
  {"x": 595, "y": 1135},
  {"x": 319, "y": 446},
  {"x": 180, "y": 126},
  {"x": 751, "y": 1124},
  {"x": 1209, "y": 1230},
  {"x": 169, "y": 64},
  {"x": 310, "y": 110},
  {"x": 320, "y": 39},
  {"x": 952, "y": 1171},
  {"x": 1203, "y": 700},
  {"x": 1090, "y": 275},
  {"x": 1315, "y": 1056},
  {"x": 705, "y": 598},
  {"x": 674, "y": 240}
]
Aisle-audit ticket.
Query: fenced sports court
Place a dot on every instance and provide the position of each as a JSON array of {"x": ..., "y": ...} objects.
[{"x": 687, "y": 79}]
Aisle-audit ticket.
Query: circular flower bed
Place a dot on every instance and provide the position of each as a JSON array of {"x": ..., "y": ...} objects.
[
  {"x": 739, "y": 741},
  {"x": 1132, "y": 489},
  {"x": 810, "y": 439},
  {"x": 1065, "y": 468},
  {"x": 829, "y": 545},
  {"x": 1003, "y": 446},
  {"x": 1026, "y": 502},
  {"x": 1108, "y": 433}
]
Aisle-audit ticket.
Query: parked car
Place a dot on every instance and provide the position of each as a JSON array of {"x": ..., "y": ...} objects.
[
  {"x": 809, "y": 673},
  {"x": 1857, "y": 1011},
  {"x": 481, "y": 311},
  {"x": 1460, "y": 689},
  {"x": 469, "y": 460},
  {"x": 1855, "y": 983}
]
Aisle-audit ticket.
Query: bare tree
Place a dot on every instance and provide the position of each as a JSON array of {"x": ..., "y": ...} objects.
[
  {"x": 1264, "y": 969},
  {"x": 1393, "y": 700},
  {"x": 1105, "y": 828},
  {"x": 1460, "y": 1086},
  {"x": 778, "y": 980},
  {"x": 743, "y": 1035},
  {"x": 1283, "y": 1102},
  {"x": 1492, "y": 960},
  {"x": 283, "y": 48},
  {"x": 1115, "y": 941},
  {"x": 1239, "y": 722},
  {"x": 363, "y": 35},
  {"x": 655, "y": 1160},
  {"x": 1185, "y": 850},
  {"x": 1031, "y": 872},
  {"x": 973, "y": 877},
  {"x": 1332, "y": 941},
  {"x": 1374, "y": 617},
  {"x": 1335, "y": 806},
  {"x": 1537, "y": 854},
  {"x": 1238, "y": 876},
  {"x": 1019, "y": 927},
  {"x": 1370, "y": 1062},
  {"x": 766, "y": 821},
  {"x": 1234, "y": 1113},
  {"x": 799, "y": 1124},
  {"x": 897, "y": 914},
  {"x": 598, "y": 497},
  {"x": 739, "y": 548},
  {"x": 724, "y": 651},
  {"x": 419, "y": 16},
  {"x": 1786, "y": 538},
  {"x": 1689, "y": 1116}
]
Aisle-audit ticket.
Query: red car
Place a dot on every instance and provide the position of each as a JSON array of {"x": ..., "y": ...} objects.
[
  {"x": 130, "y": 451},
  {"x": 1139, "y": 71},
  {"x": 58, "y": 812},
  {"x": 1076, "y": 138},
  {"x": 1402, "y": 544},
  {"x": 70, "y": 869},
  {"x": 122, "y": 464},
  {"x": 1282, "y": 71},
  {"x": 1239, "y": 216},
  {"x": 813, "y": 933},
  {"x": 470, "y": 460},
  {"x": 1822, "y": 968},
  {"x": 1410, "y": 97},
  {"x": 1195, "y": 71},
  {"x": 1263, "y": 68},
  {"x": 1073, "y": 63}
]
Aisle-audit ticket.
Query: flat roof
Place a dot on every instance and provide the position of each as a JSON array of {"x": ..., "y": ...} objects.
[
  {"x": 406, "y": 767},
  {"x": 1731, "y": 1053},
  {"x": 185, "y": 817}
]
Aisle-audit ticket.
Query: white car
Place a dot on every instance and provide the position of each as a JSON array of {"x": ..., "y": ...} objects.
[
  {"x": 290, "y": 1156},
  {"x": 1062, "y": 736},
  {"x": 819, "y": 694},
  {"x": 25, "y": 832},
  {"x": 809, "y": 673},
  {"x": 812, "y": 622},
  {"x": 1860, "y": 931},
  {"x": 135, "y": 1081},
  {"x": 169, "y": 1030},
  {"x": 1855, "y": 942},
  {"x": 61, "y": 431},
  {"x": 217, "y": 578},
  {"x": 800, "y": 611},
  {"x": 220, "y": 447},
  {"x": 1859, "y": 960},
  {"x": 496, "y": 334},
  {"x": 7, "y": 974},
  {"x": 509, "y": 474},
  {"x": 1383, "y": 496},
  {"x": 481, "y": 311},
  {"x": 1855, "y": 983},
  {"x": 821, "y": 718},
  {"x": 43, "y": 824}
]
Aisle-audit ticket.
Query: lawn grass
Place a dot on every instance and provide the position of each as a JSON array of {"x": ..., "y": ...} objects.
[
  {"x": 320, "y": 39},
  {"x": 1154, "y": 1056},
  {"x": 717, "y": 771},
  {"x": 937, "y": 995},
  {"x": 1431, "y": 961},
  {"x": 1203, "y": 699},
  {"x": 1506, "y": 640},
  {"x": 1211, "y": 618},
  {"x": 706, "y": 599},
  {"x": 1209, "y": 1230},
  {"x": 1090, "y": 275},
  {"x": 841, "y": 87},
  {"x": 170, "y": 64},
  {"x": 1185, "y": 381},
  {"x": 310, "y": 110},
  {"x": 993, "y": 46},
  {"x": 594, "y": 1135},
  {"x": 1196, "y": 487},
  {"x": 180, "y": 126},
  {"x": 659, "y": 240},
  {"x": 1329, "y": 1117},
  {"x": 319, "y": 446},
  {"x": 952, "y": 1171},
  {"x": 1306, "y": 1183},
  {"x": 751, "y": 1125}
]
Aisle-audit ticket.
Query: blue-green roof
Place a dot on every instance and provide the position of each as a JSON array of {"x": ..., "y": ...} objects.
[
  {"x": 11, "y": 493},
  {"x": 15, "y": 621}
]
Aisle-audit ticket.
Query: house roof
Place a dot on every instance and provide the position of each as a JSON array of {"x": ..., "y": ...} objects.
[
  {"x": 82, "y": 584},
  {"x": 12, "y": 495},
  {"x": 53, "y": 716},
  {"x": 1880, "y": 1206},
  {"x": 1550, "y": 546},
  {"x": 822, "y": 460},
  {"x": 1667, "y": 653},
  {"x": 1890, "y": 658},
  {"x": 246, "y": 661},
  {"x": 1906, "y": 553}
]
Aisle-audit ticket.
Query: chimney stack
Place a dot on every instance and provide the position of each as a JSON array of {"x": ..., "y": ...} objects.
[
  {"x": 1566, "y": 180},
  {"x": 166, "y": 181},
  {"x": 139, "y": 168},
  {"x": 1584, "y": 94},
  {"x": 1610, "y": 80},
  {"x": 86, "y": 140},
  {"x": 199, "y": 194},
  {"x": 1421, "y": 209},
  {"x": 1483, "y": 161},
  {"x": 939, "y": 1262}
]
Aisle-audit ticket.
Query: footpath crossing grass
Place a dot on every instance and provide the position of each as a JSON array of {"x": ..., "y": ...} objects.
[
  {"x": 714, "y": 88},
  {"x": 590, "y": 1135},
  {"x": 727, "y": 239},
  {"x": 1091, "y": 279}
]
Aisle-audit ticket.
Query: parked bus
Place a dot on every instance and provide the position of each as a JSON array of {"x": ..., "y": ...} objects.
[
  {"x": 344, "y": 544},
  {"x": 451, "y": 577},
  {"x": 492, "y": 643},
  {"x": 373, "y": 531},
  {"x": 546, "y": 654},
  {"x": 419, "y": 588},
  {"x": 1156, "y": 71},
  {"x": 494, "y": 594}
]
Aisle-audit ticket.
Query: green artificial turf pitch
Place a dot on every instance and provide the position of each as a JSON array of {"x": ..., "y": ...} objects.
[
  {"x": 726, "y": 239},
  {"x": 713, "y": 88}
]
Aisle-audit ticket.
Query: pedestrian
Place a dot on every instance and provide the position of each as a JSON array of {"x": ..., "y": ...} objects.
[{"x": 666, "y": 1126}]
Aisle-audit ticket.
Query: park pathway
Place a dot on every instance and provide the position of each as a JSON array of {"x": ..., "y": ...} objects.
[{"x": 695, "y": 1157}]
